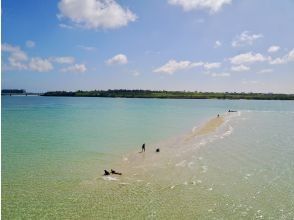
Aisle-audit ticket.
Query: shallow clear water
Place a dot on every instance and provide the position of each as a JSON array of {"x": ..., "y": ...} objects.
[{"x": 54, "y": 150}]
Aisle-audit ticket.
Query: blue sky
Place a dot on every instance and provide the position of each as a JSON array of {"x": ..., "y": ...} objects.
[{"x": 203, "y": 45}]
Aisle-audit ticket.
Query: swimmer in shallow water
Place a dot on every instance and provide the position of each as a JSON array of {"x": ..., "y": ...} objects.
[
  {"x": 114, "y": 172},
  {"x": 106, "y": 173}
]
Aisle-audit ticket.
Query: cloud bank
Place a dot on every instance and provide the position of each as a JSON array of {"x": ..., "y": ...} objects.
[
  {"x": 16, "y": 59},
  {"x": 212, "y": 5},
  {"x": 93, "y": 14}
]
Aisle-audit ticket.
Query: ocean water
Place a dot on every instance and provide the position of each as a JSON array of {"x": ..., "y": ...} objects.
[{"x": 54, "y": 151}]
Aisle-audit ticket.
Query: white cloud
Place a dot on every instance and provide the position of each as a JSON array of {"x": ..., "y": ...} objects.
[
  {"x": 283, "y": 60},
  {"x": 30, "y": 44},
  {"x": 40, "y": 65},
  {"x": 63, "y": 60},
  {"x": 273, "y": 49},
  {"x": 290, "y": 55},
  {"x": 220, "y": 74},
  {"x": 65, "y": 26},
  {"x": 76, "y": 68},
  {"x": 278, "y": 61},
  {"x": 240, "y": 68},
  {"x": 217, "y": 44},
  {"x": 93, "y": 14},
  {"x": 265, "y": 71},
  {"x": 209, "y": 66},
  {"x": 212, "y": 5},
  {"x": 196, "y": 64},
  {"x": 16, "y": 57},
  {"x": 247, "y": 58},
  {"x": 245, "y": 38},
  {"x": 87, "y": 48},
  {"x": 118, "y": 59},
  {"x": 19, "y": 60},
  {"x": 14, "y": 51},
  {"x": 15, "y": 64},
  {"x": 173, "y": 66}
]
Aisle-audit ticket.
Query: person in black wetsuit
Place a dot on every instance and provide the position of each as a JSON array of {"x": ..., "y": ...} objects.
[
  {"x": 114, "y": 172},
  {"x": 106, "y": 173},
  {"x": 143, "y": 148}
]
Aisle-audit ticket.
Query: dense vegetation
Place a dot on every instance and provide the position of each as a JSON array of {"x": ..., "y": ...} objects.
[
  {"x": 13, "y": 91},
  {"x": 121, "y": 93}
]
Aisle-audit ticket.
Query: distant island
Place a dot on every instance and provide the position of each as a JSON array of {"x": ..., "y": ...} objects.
[
  {"x": 13, "y": 92},
  {"x": 17, "y": 92},
  {"x": 123, "y": 93}
]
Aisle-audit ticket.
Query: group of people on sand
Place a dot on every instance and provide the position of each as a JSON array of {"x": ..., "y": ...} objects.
[
  {"x": 143, "y": 149},
  {"x": 107, "y": 173}
]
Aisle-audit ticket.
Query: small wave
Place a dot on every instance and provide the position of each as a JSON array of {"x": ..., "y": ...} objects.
[
  {"x": 204, "y": 169},
  {"x": 229, "y": 131},
  {"x": 190, "y": 164},
  {"x": 124, "y": 183},
  {"x": 181, "y": 164},
  {"x": 203, "y": 142},
  {"x": 110, "y": 178},
  {"x": 194, "y": 129}
]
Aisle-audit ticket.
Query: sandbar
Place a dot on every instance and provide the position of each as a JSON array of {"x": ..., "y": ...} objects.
[{"x": 207, "y": 128}]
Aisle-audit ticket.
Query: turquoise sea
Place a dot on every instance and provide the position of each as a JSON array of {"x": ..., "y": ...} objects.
[{"x": 54, "y": 151}]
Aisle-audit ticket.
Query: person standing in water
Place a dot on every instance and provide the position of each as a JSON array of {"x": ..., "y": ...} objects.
[{"x": 143, "y": 148}]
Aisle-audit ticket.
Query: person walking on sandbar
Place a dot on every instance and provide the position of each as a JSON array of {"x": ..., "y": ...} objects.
[{"x": 143, "y": 148}]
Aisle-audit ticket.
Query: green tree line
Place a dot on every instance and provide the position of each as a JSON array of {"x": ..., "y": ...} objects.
[{"x": 123, "y": 93}]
